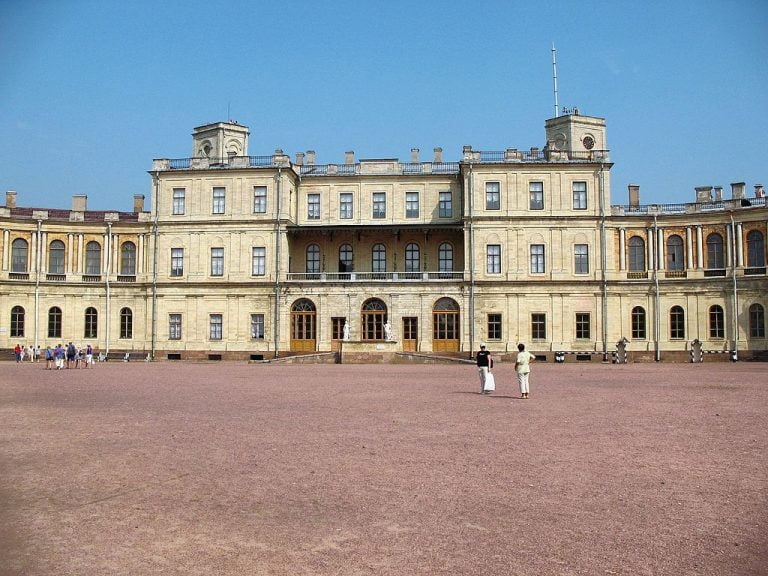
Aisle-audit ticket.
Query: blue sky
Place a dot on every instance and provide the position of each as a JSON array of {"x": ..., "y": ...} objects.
[{"x": 92, "y": 91}]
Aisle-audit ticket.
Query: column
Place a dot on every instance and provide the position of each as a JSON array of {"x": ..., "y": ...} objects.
[
  {"x": 649, "y": 249},
  {"x": 41, "y": 253},
  {"x": 105, "y": 254},
  {"x": 688, "y": 248},
  {"x": 70, "y": 267},
  {"x": 660, "y": 248},
  {"x": 729, "y": 248},
  {"x": 81, "y": 258},
  {"x": 140, "y": 255},
  {"x": 115, "y": 252},
  {"x": 6, "y": 248},
  {"x": 33, "y": 248},
  {"x": 739, "y": 245},
  {"x": 622, "y": 249},
  {"x": 699, "y": 249}
]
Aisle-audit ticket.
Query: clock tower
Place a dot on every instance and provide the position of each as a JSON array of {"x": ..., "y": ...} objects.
[{"x": 575, "y": 133}]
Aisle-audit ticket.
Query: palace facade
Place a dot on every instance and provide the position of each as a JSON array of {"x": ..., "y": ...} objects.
[{"x": 252, "y": 257}]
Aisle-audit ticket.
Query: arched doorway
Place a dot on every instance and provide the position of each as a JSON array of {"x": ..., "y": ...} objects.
[
  {"x": 374, "y": 316},
  {"x": 445, "y": 326},
  {"x": 303, "y": 326}
]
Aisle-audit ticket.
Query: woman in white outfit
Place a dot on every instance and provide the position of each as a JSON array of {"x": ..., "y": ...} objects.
[{"x": 523, "y": 369}]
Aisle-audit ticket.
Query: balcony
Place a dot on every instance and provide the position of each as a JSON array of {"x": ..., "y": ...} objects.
[
  {"x": 714, "y": 272},
  {"x": 374, "y": 276},
  {"x": 56, "y": 277},
  {"x": 675, "y": 274},
  {"x": 126, "y": 278},
  {"x": 637, "y": 275},
  {"x": 18, "y": 276},
  {"x": 91, "y": 278}
]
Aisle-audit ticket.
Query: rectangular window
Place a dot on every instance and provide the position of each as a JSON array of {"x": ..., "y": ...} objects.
[
  {"x": 493, "y": 256},
  {"x": 379, "y": 205},
  {"x": 411, "y": 204},
  {"x": 582, "y": 325},
  {"x": 538, "y": 326},
  {"x": 346, "y": 205},
  {"x": 537, "y": 259},
  {"x": 259, "y": 199},
  {"x": 179, "y": 195},
  {"x": 492, "y": 196},
  {"x": 177, "y": 261},
  {"x": 257, "y": 326},
  {"x": 217, "y": 261},
  {"x": 638, "y": 323},
  {"x": 259, "y": 261},
  {"x": 219, "y": 200},
  {"x": 536, "y": 191},
  {"x": 313, "y": 206},
  {"x": 445, "y": 209},
  {"x": 716, "y": 322},
  {"x": 579, "y": 195},
  {"x": 494, "y": 326},
  {"x": 174, "y": 326},
  {"x": 581, "y": 259},
  {"x": 217, "y": 326}
]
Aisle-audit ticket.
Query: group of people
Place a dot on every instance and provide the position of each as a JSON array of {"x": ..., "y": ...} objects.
[
  {"x": 522, "y": 368},
  {"x": 57, "y": 357}
]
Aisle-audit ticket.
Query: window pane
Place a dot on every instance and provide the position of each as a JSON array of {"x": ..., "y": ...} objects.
[
  {"x": 582, "y": 325},
  {"x": 216, "y": 326},
  {"x": 493, "y": 259},
  {"x": 219, "y": 200},
  {"x": 716, "y": 322},
  {"x": 379, "y": 205},
  {"x": 539, "y": 326},
  {"x": 536, "y": 190},
  {"x": 345, "y": 205},
  {"x": 445, "y": 208},
  {"x": 19, "y": 255},
  {"x": 259, "y": 199},
  {"x": 174, "y": 326},
  {"x": 494, "y": 326},
  {"x": 56, "y": 257},
  {"x": 636, "y": 254},
  {"x": 313, "y": 206},
  {"x": 581, "y": 259},
  {"x": 93, "y": 258},
  {"x": 257, "y": 326},
  {"x": 126, "y": 323},
  {"x": 177, "y": 261},
  {"x": 128, "y": 259},
  {"x": 411, "y": 204},
  {"x": 579, "y": 195},
  {"x": 638, "y": 323},
  {"x": 178, "y": 200},
  {"x": 492, "y": 196},
  {"x": 537, "y": 259},
  {"x": 259, "y": 261},
  {"x": 217, "y": 261}
]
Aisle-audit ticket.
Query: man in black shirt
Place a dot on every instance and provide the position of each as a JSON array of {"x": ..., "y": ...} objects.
[{"x": 484, "y": 363}]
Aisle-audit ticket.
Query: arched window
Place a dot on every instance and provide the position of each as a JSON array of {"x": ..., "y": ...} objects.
[
  {"x": 716, "y": 322},
  {"x": 126, "y": 323},
  {"x": 93, "y": 258},
  {"x": 56, "y": 257},
  {"x": 412, "y": 259},
  {"x": 756, "y": 321},
  {"x": 638, "y": 323},
  {"x": 445, "y": 257},
  {"x": 54, "y": 322},
  {"x": 128, "y": 259},
  {"x": 379, "y": 258},
  {"x": 715, "y": 256},
  {"x": 91, "y": 323},
  {"x": 755, "y": 249},
  {"x": 17, "y": 322},
  {"x": 677, "y": 323},
  {"x": 675, "y": 258},
  {"x": 374, "y": 316},
  {"x": 313, "y": 259},
  {"x": 303, "y": 325},
  {"x": 19, "y": 251},
  {"x": 345, "y": 258},
  {"x": 636, "y": 254}
]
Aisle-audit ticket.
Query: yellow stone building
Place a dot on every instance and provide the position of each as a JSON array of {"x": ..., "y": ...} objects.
[{"x": 251, "y": 257}]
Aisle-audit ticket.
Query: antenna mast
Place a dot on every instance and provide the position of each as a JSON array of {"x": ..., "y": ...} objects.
[{"x": 554, "y": 75}]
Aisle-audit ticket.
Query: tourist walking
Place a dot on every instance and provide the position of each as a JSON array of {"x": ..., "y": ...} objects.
[
  {"x": 484, "y": 364},
  {"x": 523, "y": 369}
]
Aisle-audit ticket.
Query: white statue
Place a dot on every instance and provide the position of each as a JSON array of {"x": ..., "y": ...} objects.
[
  {"x": 346, "y": 330},
  {"x": 388, "y": 330}
]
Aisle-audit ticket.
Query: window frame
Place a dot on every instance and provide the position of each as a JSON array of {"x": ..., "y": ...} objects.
[
  {"x": 177, "y": 262},
  {"x": 493, "y": 259},
  {"x": 174, "y": 326},
  {"x": 411, "y": 204},
  {"x": 313, "y": 206},
  {"x": 258, "y": 327},
  {"x": 716, "y": 322},
  {"x": 217, "y": 261},
  {"x": 579, "y": 194},
  {"x": 445, "y": 205},
  {"x": 583, "y": 324},
  {"x": 178, "y": 201},
  {"x": 378, "y": 205},
  {"x": 493, "y": 195},
  {"x": 494, "y": 326},
  {"x": 538, "y": 259},
  {"x": 638, "y": 321},
  {"x": 581, "y": 258},
  {"x": 538, "y": 326},
  {"x": 676, "y": 323},
  {"x": 258, "y": 261},
  {"x": 216, "y": 327},
  {"x": 536, "y": 195},
  {"x": 126, "y": 323},
  {"x": 219, "y": 200},
  {"x": 346, "y": 205},
  {"x": 92, "y": 258},
  {"x": 259, "y": 199},
  {"x": 756, "y": 320},
  {"x": 17, "y": 323}
]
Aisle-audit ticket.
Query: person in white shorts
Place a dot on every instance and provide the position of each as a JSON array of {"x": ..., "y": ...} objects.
[{"x": 523, "y": 369}]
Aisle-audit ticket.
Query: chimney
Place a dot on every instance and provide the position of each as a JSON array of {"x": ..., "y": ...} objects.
[
  {"x": 737, "y": 190},
  {"x": 634, "y": 195},
  {"x": 310, "y": 157},
  {"x": 10, "y": 198},
  {"x": 438, "y": 155},
  {"x": 299, "y": 158},
  {"x": 414, "y": 155},
  {"x": 759, "y": 192},
  {"x": 138, "y": 202},
  {"x": 718, "y": 193},
  {"x": 79, "y": 203},
  {"x": 704, "y": 194},
  {"x": 349, "y": 157}
]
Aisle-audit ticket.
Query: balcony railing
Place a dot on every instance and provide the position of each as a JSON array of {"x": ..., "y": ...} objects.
[
  {"x": 18, "y": 276},
  {"x": 56, "y": 277},
  {"x": 126, "y": 278},
  {"x": 754, "y": 271},
  {"x": 373, "y": 276},
  {"x": 637, "y": 275},
  {"x": 675, "y": 274},
  {"x": 686, "y": 208},
  {"x": 713, "y": 272},
  {"x": 91, "y": 278}
]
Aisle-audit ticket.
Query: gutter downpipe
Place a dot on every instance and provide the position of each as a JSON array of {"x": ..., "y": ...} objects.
[
  {"x": 38, "y": 256},
  {"x": 471, "y": 263},
  {"x": 735, "y": 355},
  {"x": 657, "y": 327},
  {"x": 603, "y": 260},
  {"x": 106, "y": 281},
  {"x": 155, "y": 235},
  {"x": 276, "y": 320}
]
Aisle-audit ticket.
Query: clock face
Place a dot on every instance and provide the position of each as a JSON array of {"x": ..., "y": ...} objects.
[
  {"x": 560, "y": 141},
  {"x": 588, "y": 142}
]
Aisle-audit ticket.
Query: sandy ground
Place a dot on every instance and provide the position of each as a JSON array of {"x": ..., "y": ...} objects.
[{"x": 226, "y": 468}]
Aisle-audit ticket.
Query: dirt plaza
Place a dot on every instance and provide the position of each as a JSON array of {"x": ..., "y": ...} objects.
[{"x": 350, "y": 470}]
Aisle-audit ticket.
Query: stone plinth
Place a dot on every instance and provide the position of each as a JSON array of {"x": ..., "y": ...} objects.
[{"x": 368, "y": 351}]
